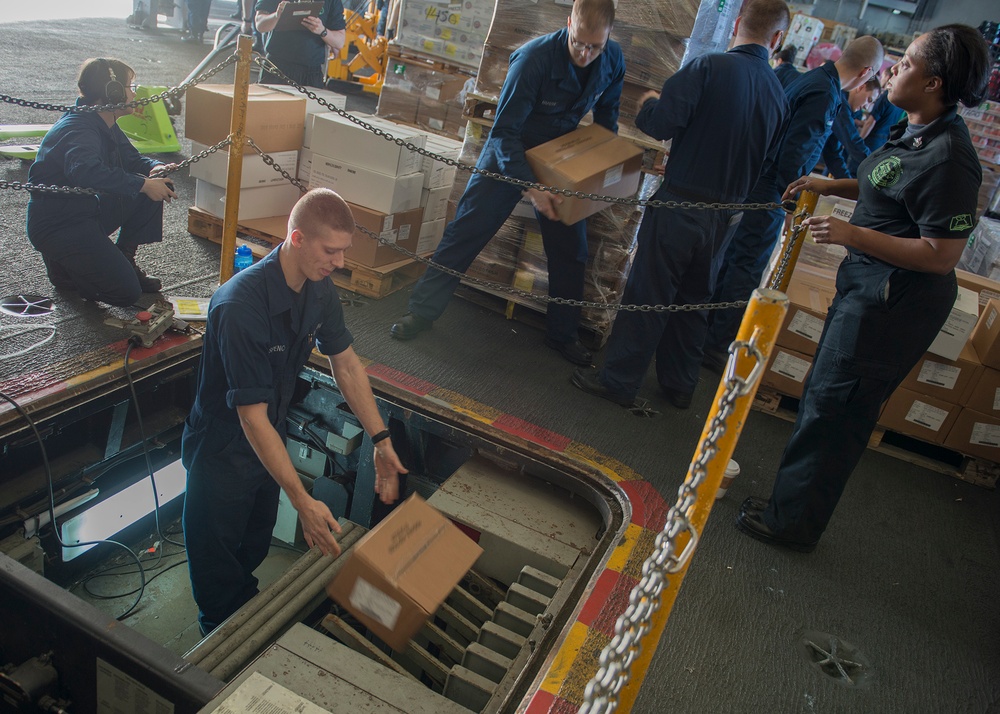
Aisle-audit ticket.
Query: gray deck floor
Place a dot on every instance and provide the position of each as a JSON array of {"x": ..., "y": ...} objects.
[{"x": 908, "y": 571}]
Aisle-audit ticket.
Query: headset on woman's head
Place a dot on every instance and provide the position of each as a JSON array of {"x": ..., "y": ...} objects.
[{"x": 114, "y": 91}]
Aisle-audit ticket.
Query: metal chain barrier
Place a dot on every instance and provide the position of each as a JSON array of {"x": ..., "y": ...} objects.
[
  {"x": 81, "y": 109},
  {"x": 788, "y": 206},
  {"x": 601, "y": 693},
  {"x": 786, "y": 255}
]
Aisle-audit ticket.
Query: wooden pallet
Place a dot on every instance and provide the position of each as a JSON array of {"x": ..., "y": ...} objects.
[
  {"x": 901, "y": 446},
  {"x": 370, "y": 282}
]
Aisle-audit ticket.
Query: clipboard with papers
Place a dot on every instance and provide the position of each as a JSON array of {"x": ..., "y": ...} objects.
[{"x": 290, "y": 16}]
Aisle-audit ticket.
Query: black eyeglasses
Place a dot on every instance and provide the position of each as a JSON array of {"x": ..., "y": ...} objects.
[{"x": 584, "y": 47}]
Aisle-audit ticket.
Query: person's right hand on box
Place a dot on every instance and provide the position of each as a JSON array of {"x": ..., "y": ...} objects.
[{"x": 544, "y": 202}]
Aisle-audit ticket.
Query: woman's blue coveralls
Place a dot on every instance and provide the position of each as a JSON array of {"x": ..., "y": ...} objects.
[
  {"x": 71, "y": 231},
  {"x": 881, "y": 321},
  {"x": 259, "y": 336},
  {"x": 541, "y": 99},
  {"x": 813, "y": 101},
  {"x": 724, "y": 112}
]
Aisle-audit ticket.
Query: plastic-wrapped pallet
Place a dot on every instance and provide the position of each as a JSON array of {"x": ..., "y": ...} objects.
[
  {"x": 455, "y": 32},
  {"x": 427, "y": 96},
  {"x": 982, "y": 253}
]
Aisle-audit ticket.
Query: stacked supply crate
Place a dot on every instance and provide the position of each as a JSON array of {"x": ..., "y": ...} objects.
[{"x": 381, "y": 180}]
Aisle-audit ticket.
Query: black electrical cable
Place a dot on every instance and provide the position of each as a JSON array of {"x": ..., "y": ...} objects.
[
  {"x": 52, "y": 507},
  {"x": 133, "y": 341}
]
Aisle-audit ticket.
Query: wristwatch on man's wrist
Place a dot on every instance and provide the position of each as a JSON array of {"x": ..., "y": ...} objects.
[{"x": 324, "y": 33}]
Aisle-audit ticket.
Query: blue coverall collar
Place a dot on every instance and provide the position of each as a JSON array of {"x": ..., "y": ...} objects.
[
  {"x": 280, "y": 297},
  {"x": 751, "y": 48}
]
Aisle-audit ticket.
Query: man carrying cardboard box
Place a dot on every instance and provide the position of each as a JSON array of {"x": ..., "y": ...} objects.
[
  {"x": 554, "y": 80},
  {"x": 262, "y": 326},
  {"x": 724, "y": 112}
]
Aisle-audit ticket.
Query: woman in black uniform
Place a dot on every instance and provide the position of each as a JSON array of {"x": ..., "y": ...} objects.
[{"x": 916, "y": 207}]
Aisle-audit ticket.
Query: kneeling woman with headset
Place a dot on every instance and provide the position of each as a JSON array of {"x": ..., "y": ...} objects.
[{"x": 86, "y": 149}]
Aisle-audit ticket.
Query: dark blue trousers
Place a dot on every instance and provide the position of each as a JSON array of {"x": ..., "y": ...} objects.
[
  {"x": 197, "y": 15},
  {"x": 676, "y": 261},
  {"x": 742, "y": 268},
  {"x": 72, "y": 236},
  {"x": 879, "y": 325},
  {"x": 230, "y": 508},
  {"x": 484, "y": 207}
]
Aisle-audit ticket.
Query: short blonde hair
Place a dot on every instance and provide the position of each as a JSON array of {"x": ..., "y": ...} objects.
[{"x": 321, "y": 209}]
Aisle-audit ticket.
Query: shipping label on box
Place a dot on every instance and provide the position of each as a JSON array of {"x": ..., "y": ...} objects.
[
  {"x": 957, "y": 328},
  {"x": 945, "y": 379},
  {"x": 275, "y": 120},
  {"x": 787, "y": 371},
  {"x": 214, "y": 168},
  {"x": 371, "y": 189},
  {"x": 590, "y": 159},
  {"x": 345, "y": 141},
  {"x": 401, "y": 571}
]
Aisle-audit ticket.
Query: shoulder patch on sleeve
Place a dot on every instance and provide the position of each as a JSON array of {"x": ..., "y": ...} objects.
[{"x": 961, "y": 222}]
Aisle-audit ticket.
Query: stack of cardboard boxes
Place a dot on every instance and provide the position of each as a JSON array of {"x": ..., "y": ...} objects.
[
  {"x": 275, "y": 122},
  {"x": 950, "y": 398},
  {"x": 452, "y": 32},
  {"x": 431, "y": 97},
  {"x": 379, "y": 178}
]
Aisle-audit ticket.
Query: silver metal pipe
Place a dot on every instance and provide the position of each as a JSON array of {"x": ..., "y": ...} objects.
[
  {"x": 232, "y": 624},
  {"x": 271, "y": 620}
]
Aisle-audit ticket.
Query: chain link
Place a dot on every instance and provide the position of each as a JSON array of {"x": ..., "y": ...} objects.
[
  {"x": 601, "y": 693},
  {"x": 788, "y": 206},
  {"x": 786, "y": 255},
  {"x": 84, "y": 108}
]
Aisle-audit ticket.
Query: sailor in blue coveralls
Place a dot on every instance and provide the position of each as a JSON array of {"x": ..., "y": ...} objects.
[
  {"x": 813, "y": 101},
  {"x": 302, "y": 53},
  {"x": 895, "y": 289},
  {"x": 724, "y": 112},
  {"x": 553, "y": 81},
  {"x": 844, "y": 147},
  {"x": 88, "y": 150},
  {"x": 262, "y": 325}
]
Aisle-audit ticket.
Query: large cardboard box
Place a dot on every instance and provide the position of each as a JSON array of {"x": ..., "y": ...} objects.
[
  {"x": 589, "y": 159},
  {"x": 975, "y": 434},
  {"x": 261, "y": 202},
  {"x": 927, "y": 418},
  {"x": 345, "y": 141},
  {"x": 982, "y": 286},
  {"x": 807, "y": 307},
  {"x": 957, "y": 328},
  {"x": 313, "y": 106},
  {"x": 400, "y": 572},
  {"x": 435, "y": 202},
  {"x": 371, "y": 189},
  {"x": 983, "y": 395},
  {"x": 275, "y": 120},
  {"x": 944, "y": 378},
  {"x": 787, "y": 371},
  {"x": 402, "y": 229},
  {"x": 986, "y": 335},
  {"x": 214, "y": 168}
]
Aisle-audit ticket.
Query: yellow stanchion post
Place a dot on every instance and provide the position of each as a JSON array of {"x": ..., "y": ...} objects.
[
  {"x": 791, "y": 244},
  {"x": 761, "y": 323},
  {"x": 237, "y": 131}
]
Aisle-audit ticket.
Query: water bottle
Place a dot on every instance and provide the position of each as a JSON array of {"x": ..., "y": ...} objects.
[{"x": 244, "y": 258}]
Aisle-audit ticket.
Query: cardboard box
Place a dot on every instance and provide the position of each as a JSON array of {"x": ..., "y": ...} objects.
[
  {"x": 214, "y": 168},
  {"x": 943, "y": 378},
  {"x": 983, "y": 395},
  {"x": 986, "y": 335},
  {"x": 431, "y": 233},
  {"x": 401, "y": 228},
  {"x": 589, "y": 159},
  {"x": 807, "y": 307},
  {"x": 345, "y": 141},
  {"x": 958, "y": 327},
  {"x": 304, "y": 172},
  {"x": 313, "y": 106},
  {"x": 262, "y": 202},
  {"x": 275, "y": 120},
  {"x": 919, "y": 415},
  {"x": 438, "y": 173},
  {"x": 975, "y": 434},
  {"x": 434, "y": 201},
  {"x": 401, "y": 571},
  {"x": 787, "y": 371},
  {"x": 982, "y": 286},
  {"x": 371, "y": 189}
]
